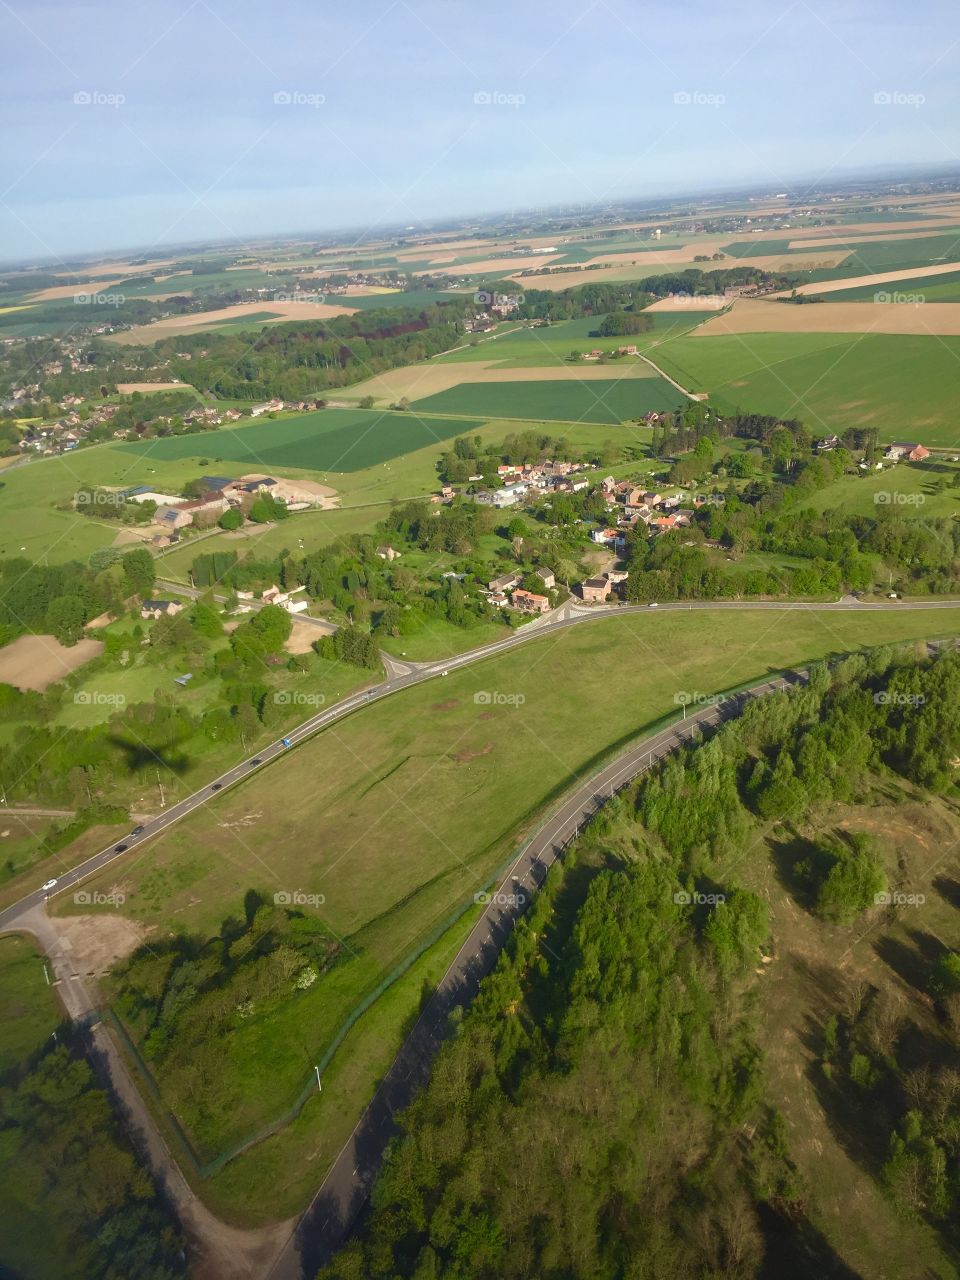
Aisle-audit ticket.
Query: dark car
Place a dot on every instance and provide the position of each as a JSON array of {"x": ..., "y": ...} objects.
[
  {"x": 216, "y": 786},
  {"x": 257, "y": 761},
  {"x": 138, "y": 831},
  {"x": 119, "y": 848}
]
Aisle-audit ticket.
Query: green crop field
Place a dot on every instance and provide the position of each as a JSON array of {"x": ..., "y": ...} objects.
[
  {"x": 524, "y": 347},
  {"x": 613, "y": 401},
  {"x": 945, "y": 288},
  {"x": 328, "y": 440},
  {"x": 917, "y": 489},
  {"x": 888, "y": 254},
  {"x": 907, "y": 386},
  {"x": 398, "y": 814},
  {"x": 28, "y": 1008}
]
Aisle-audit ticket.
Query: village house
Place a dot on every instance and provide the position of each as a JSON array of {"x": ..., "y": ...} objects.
[
  {"x": 170, "y": 517},
  {"x": 529, "y": 602},
  {"x": 388, "y": 553},
  {"x": 160, "y": 609},
  {"x": 604, "y": 537},
  {"x": 506, "y": 582},
  {"x": 912, "y": 452},
  {"x": 595, "y": 590},
  {"x": 546, "y": 576},
  {"x": 828, "y": 443}
]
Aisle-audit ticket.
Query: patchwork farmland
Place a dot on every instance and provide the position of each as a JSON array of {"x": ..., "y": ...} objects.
[{"x": 613, "y": 401}]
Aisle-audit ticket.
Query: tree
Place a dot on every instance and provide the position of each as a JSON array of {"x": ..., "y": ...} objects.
[
  {"x": 65, "y": 619},
  {"x": 231, "y": 519},
  {"x": 139, "y": 571}
]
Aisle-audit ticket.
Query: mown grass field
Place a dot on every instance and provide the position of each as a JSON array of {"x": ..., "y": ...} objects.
[
  {"x": 909, "y": 488},
  {"x": 905, "y": 385},
  {"x": 398, "y": 814},
  {"x": 327, "y": 440},
  {"x": 28, "y": 1008},
  {"x": 601, "y": 401},
  {"x": 945, "y": 288}
]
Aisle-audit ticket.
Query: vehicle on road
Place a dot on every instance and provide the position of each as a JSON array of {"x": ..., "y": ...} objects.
[
  {"x": 120, "y": 848},
  {"x": 286, "y": 742},
  {"x": 216, "y": 786},
  {"x": 50, "y": 884},
  {"x": 255, "y": 762},
  {"x": 138, "y": 831},
  {"x": 653, "y": 605}
]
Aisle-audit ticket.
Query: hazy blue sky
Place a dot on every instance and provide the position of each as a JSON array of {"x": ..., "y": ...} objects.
[{"x": 133, "y": 123}]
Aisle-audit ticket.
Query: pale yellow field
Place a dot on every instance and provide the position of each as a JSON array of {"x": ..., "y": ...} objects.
[
  {"x": 34, "y": 662},
  {"x": 681, "y": 306},
  {"x": 759, "y": 315},
  {"x": 880, "y": 278},
  {"x": 203, "y": 319},
  {"x": 128, "y": 388},
  {"x": 840, "y": 236},
  {"x": 417, "y": 381}
]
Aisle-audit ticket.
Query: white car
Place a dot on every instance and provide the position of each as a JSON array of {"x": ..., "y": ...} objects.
[
  {"x": 652, "y": 605},
  {"x": 50, "y": 884}
]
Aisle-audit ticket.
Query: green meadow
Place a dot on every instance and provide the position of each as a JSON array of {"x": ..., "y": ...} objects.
[{"x": 907, "y": 386}]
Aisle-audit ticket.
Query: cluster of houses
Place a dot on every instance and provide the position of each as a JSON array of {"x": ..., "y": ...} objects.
[
  {"x": 529, "y": 479},
  {"x": 217, "y": 495},
  {"x": 658, "y": 512},
  {"x": 66, "y": 433},
  {"x": 505, "y": 591}
]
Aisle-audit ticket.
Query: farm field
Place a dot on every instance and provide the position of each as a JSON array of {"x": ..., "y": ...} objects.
[
  {"x": 943, "y": 287},
  {"x": 243, "y": 313},
  {"x": 764, "y": 315},
  {"x": 878, "y": 279},
  {"x": 905, "y": 385},
  {"x": 549, "y": 346},
  {"x": 28, "y": 1007},
  {"x": 36, "y": 662},
  {"x": 608, "y": 401},
  {"x": 327, "y": 440},
  {"x": 400, "y": 813}
]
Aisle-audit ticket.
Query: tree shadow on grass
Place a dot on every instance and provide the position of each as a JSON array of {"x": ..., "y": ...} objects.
[
  {"x": 911, "y": 959},
  {"x": 796, "y": 1250}
]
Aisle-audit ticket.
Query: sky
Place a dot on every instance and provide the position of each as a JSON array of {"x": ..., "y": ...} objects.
[{"x": 175, "y": 121}]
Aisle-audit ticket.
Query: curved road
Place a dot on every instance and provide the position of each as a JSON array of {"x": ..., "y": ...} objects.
[{"x": 324, "y": 1225}]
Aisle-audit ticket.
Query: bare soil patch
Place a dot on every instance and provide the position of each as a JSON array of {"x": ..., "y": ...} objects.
[
  {"x": 303, "y": 634},
  {"x": 281, "y": 311},
  {"x": 464, "y": 757},
  {"x": 96, "y": 942},
  {"x": 417, "y": 381},
  {"x": 35, "y": 662}
]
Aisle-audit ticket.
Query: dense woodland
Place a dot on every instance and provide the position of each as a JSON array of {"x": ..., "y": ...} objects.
[
  {"x": 601, "y": 1110},
  {"x": 68, "y": 1172}
]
